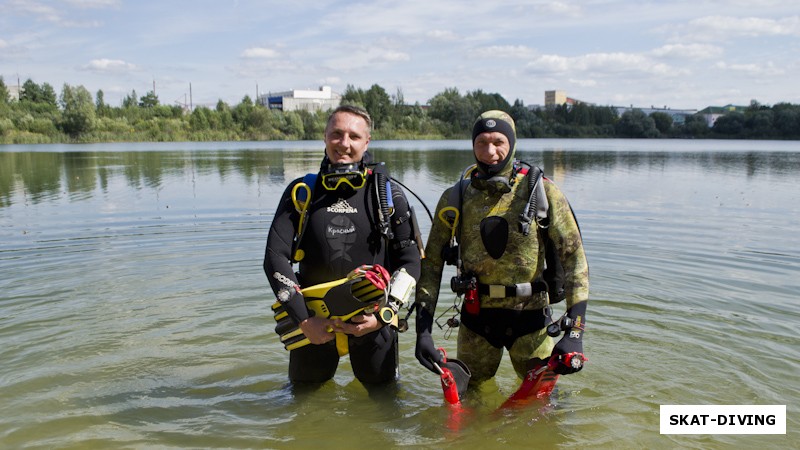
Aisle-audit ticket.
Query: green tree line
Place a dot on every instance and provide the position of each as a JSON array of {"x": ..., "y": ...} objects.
[{"x": 42, "y": 116}]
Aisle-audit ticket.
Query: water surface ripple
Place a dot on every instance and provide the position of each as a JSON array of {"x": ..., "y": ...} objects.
[{"x": 134, "y": 312}]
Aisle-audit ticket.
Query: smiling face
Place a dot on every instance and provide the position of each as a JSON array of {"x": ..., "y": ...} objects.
[
  {"x": 346, "y": 138},
  {"x": 491, "y": 148}
]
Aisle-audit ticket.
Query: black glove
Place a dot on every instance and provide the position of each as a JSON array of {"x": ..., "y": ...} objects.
[
  {"x": 572, "y": 342},
  {"x": 426, "y": 351},
  {"x": 294, "y": 303}
]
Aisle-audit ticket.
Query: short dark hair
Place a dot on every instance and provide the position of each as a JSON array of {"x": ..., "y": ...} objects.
[{"x": 352, "y": 109}]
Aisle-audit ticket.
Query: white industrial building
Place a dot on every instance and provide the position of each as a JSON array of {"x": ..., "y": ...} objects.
[
  {"x": 302, "y": 100},
  {"x": 13, "y": 92}
]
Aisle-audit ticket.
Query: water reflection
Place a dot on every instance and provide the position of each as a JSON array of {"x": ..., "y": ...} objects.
[
  {"x": 38, "y": 176},
  {"x": 134, "y": 302}
]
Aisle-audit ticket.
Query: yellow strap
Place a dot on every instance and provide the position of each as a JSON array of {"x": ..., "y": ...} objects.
[
  {"x": 453, "y": 225},
  {"x": 301, "y": 206},
  {"x": 452, "y": 222},
  {"x": 341, "y": 344},
  {"x": 468, "y": 172}
]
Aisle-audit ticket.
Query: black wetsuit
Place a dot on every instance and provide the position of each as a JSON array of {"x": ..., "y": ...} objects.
[{"x": 340, "y": 235}]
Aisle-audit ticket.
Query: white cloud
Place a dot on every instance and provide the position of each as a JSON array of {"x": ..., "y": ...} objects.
[
  {"x": 50, "y": 14},
  {"x": 252, "y": 68},
  {"x": 94, "y": 3},
  {"x": 651, "y": 51},
  {"x": 718, "y": 27},
  {"x": 550, "y": 63},
  {"x": 408, "y": 18},
  {"x": 442, "y": 35},
  {"x": 109, "y": 65},
  {"x": 560, "y": 8},
  {"x": 43, "y": 12},
  {"x": 358, "y": 59},
  {"x": 767, "y": 69},
  {"x": 504, "y": 51},
  {"x": 602, "y": 63},
  {"x": 260, "y": 53},
  {"x": 583, "y": 83},
  {"x": 688, "y": 51},
  {"x": 391, "y": 56},
  {"x": 330, "y": 81}
]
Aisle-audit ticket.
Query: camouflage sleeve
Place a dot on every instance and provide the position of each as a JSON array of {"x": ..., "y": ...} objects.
[
  {"x": 566, "y": 236},
  {"x": 432, "y": 266}
]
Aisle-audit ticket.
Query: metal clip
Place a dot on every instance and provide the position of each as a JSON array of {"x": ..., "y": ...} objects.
[{"x": 453, "y": 321}]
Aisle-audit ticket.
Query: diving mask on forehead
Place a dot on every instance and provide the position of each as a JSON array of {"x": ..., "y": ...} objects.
[{"x": 335, "y": 175}]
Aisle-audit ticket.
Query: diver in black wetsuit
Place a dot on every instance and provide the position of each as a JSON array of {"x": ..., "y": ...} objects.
[{"x": 340, "y": 234}]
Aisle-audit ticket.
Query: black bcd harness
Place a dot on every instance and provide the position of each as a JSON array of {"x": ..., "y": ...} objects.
[
  {"x": 501, "y": 327},
  {"x": 384, "y": 218},
  {"x": 536, "y": 213}
]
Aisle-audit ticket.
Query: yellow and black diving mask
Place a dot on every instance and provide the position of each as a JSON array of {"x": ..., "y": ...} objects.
[{"x": 336, "y": 175}]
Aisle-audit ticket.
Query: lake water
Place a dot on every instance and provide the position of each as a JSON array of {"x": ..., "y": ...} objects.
[{"x": 134, "y": 312}]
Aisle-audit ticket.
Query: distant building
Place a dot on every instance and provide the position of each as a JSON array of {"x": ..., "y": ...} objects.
[
  {"x": 712, "y": 113},
  {"x": 558, "y": 98},
  {"x": 678, "y": 115},
  {"x": 13, "y": 92},
  {"x": 554, "y": 98},
  {"x": 302, "y": 100}
]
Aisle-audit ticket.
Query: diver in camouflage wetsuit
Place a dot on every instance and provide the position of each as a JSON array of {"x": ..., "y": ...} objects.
[{"x": 502, "y": 260}]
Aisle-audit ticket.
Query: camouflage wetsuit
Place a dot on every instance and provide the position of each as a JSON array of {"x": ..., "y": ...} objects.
[{"x": 500, "y": 257}]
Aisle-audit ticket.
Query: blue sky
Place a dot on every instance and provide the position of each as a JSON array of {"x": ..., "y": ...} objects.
[{"x": 675, "y": 53}]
